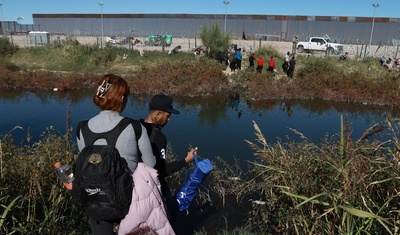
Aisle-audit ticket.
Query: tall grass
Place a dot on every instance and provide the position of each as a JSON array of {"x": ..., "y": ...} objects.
[
  {"x": 33, "y": 199},
  {"x": 344, "y": 187},
  {"x": 336, "y": 187},
  {"x": 327, "y": 78}
]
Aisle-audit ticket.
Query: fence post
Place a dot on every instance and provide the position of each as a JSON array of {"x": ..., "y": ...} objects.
[{"x": 365, "y": 50}]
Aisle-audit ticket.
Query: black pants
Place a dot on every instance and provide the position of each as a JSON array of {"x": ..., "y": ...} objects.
[
  {"x": 285, "y": 67},
  {"x": 290, "y": 72},
  {"x": 239, "y": 64}
]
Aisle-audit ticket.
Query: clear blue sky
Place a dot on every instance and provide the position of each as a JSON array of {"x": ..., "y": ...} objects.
[{"x": 11, "y": 9}]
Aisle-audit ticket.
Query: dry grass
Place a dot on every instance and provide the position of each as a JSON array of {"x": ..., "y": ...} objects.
[
  {"x": 337, "y": 187},
  {"x": 324, "y": 78}
]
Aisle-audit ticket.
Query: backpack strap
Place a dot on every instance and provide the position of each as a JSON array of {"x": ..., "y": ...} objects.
[
  {"x": 137, "y": 127},
  {"x": 110, "y": 136},
  {"x": 79, "y": 127}
]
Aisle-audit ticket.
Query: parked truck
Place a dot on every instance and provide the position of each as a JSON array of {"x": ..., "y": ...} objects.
[{"x": 320, "y": 44}]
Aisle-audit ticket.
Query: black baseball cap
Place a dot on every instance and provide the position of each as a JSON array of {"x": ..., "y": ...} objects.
[{"x": 163, "y": 103}]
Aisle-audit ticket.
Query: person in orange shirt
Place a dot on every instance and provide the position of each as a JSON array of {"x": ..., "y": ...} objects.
[
  {"x": 260, "y": 64},
  {"x": 271, "y": 65}
]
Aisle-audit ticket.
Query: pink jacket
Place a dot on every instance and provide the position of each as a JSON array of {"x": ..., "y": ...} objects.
[{"x": 147, "y": 207}]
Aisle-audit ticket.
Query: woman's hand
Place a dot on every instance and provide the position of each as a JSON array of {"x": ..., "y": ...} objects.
[{"x": 190, "y": 158}]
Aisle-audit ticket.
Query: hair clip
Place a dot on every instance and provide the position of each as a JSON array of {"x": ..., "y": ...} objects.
[{"x": 102, "y": 91}]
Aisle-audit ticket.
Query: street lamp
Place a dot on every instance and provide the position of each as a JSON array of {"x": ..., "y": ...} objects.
[
  {"x": 102, "y": 26},
  {"x": 373, "y": 22},
  {"x": 2, "y": 21},
  {"x": 226, "y": 2},
  {"x": 19, "y": 19}
]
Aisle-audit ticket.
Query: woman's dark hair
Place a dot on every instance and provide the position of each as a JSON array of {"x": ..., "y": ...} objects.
[
  {"x": 142, "y": 231},
  {"x": 112, "y": 93}
]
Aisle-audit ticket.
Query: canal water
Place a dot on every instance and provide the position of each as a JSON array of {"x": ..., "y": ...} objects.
[{"x": 217, "y": 125}]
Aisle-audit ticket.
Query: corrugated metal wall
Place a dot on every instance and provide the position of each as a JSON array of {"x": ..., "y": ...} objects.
[
  {"x": 355, "y": 30},
  {"x": 12, "y": 27}
]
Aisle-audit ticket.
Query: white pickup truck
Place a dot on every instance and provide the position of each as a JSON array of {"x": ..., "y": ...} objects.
[{"x": 321, "y": 44}]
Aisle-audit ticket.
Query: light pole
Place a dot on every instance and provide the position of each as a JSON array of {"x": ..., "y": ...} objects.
[
  {"x": 226, "y": 2},
  {"x": 2, "y": 21},
  {"x": 102, "y": 26},
  {"x": 373, "y": 22},
  {"x": 19, "y": 19}
]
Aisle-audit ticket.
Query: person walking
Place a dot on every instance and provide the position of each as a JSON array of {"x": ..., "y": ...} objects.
[
  {"x": 160, "y": 114},
  {"x": 251, "y": 61},
  {"x": 239, "y": 59},
  {"x": 292, "y": 66},
  {"x": 260, "y": 64},
  {"x": 111, "y": 97},
  {"x": 271, "y": 65},
  {"x": 294, "y": 44},
  {"x": 232, "y": 61},
  {"x": 226, "y": 59}
]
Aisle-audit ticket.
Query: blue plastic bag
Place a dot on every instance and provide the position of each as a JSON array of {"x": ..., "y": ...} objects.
[{"x": 188, "y": 191}]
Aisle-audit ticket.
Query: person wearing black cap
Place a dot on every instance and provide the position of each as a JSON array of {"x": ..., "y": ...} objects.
[{"x": 160, "y": 114}]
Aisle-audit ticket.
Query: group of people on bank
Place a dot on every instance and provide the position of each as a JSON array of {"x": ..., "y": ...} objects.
[
  {"x": 390, "y": 64},
  {"x": 232, "y": 58},
  {"x": 288, "y": 66}
]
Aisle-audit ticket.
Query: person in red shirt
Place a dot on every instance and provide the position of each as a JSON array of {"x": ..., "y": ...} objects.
[
  {"x": 271, "y": 65},
  {"x": 260, "y": 64}
]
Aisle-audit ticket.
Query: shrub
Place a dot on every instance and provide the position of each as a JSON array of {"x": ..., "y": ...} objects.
[
  {"x": 214, "y": 41},
  {"x": 35, "y": 200},
  {"x": 267, "y": 51},
  {"x": 187, "y": 78},
  {"x": 6, "y": 48}
]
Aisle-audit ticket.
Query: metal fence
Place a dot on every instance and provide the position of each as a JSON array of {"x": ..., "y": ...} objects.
[
  {"x": 347, "y": 30},
  {"x": 188, "y": 45}
]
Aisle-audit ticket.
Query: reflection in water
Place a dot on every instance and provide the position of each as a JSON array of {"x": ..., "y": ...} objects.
[
  {"x": 285, "y": 107},
  {"x": 218, "y": 124}
]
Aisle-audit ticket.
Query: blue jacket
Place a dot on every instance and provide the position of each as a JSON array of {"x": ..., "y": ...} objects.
[{"x": 238, "y": 55}]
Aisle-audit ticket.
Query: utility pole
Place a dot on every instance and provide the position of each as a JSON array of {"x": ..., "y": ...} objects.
[
  {"x": 2, "y": 20},
  {"x": 102, "y": 25},
  {"x": 226, "y": 2},
  {"x": 373, "y": 22}
]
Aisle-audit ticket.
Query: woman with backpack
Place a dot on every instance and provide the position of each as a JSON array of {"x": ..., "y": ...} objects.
[{"x": 111, "y": 97}]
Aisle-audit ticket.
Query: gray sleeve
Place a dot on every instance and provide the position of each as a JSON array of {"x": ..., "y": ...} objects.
[
  {"x": 145, "y": 148},
  {"x": 127, "y": 147}
]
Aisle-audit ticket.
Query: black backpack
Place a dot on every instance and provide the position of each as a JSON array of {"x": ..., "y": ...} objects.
[{"x": 102, "y": 180}]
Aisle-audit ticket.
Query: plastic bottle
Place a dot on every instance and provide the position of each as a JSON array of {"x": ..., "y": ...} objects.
[{"x": 64, "y": 173}]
